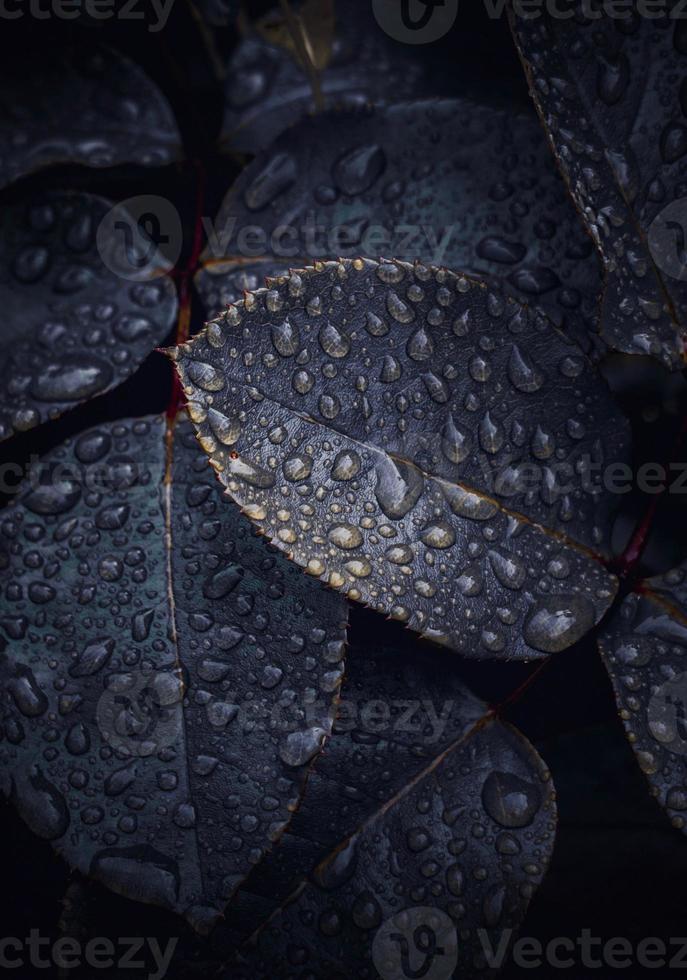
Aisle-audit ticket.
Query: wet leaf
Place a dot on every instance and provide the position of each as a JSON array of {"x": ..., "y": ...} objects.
[
  {"x": 166, "y": 676},
  {"x": 644, "y": 648},
  {"x": 456, "y": 821},
  {"x": 609, "y": 92},
  {"x": 401, "y": 182},
  {"x": 121, "y": 117},
  {"x": 419, "y": 443},
  {"x": 398, "y": 712},
  {"x": 221, "y": 283},
  {"x": 73, "y": 326},
  {"x": 267, "y": 89}
]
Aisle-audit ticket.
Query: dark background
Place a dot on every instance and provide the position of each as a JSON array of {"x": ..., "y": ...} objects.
[{"x": 618, "y": 869}]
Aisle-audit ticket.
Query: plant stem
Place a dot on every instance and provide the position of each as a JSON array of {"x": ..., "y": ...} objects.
[{"x": 296, "y": 29}]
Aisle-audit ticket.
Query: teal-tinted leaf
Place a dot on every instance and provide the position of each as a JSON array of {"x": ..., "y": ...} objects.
[
  {"x": 609, "y": 91},
  {"x": 420, "y": 444},
  {"x": 166, "y": 678}
]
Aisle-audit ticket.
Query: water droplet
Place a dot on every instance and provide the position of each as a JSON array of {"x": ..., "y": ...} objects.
[
  {"x": 93, "y": 657},
  {"x": 556, "y": 622},
  {"x": 510, "y": 800},
  {"x": 277, "y": 176},
  {"x": 299, "y": 747},
  {"x": 357, "y": 170},
  {"x": 523, "y": 372},
  {"x": 225, "y": 430},
  {"x": 346, "y": 466},
  {"x": 399, "y": 486},
  {"x": 496, "y": 249},
  {"x": 333, "y": 342},
  {"x": 420, "y": 346},
  {"x": 72, "y": 379},
  {"x": 509, "y": 570},
  {"x": 399, "y": 310},
  {"x": 438, "y": 534},
  {"x": 222, "y": 582},
  {"x": 345, "y": 536}
]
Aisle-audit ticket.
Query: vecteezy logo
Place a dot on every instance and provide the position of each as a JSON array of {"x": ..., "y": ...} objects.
[
  {"x": 141, "y": 238},
  {"x": 667, "y": 239},
  {"x": 139, "y": 713},
  {"x": 418, "y": 943},
  {"x": 415, "y": 21},
  {"x": 667, "y": 715}
]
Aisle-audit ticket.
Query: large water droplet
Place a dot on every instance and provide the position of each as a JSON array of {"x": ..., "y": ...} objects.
[
  {"x": 556, "y": 622},
  {"x": 523, "y": 372},
  {"x": 301, "y": 746},
  {"x": 510, "y": 800},
  {"x": 93, "y": 657},
  {"x": 357, "y": 170},
  {"x": 224, "y": 581},
  {"x": 276, "y": 177},
  {"x": 41, "y": 805},
  {"x": 399, "y": 486},
  {"x": 509, "y": 570},
  {"x": 333, "y": 342},
  {"x": 346, "y": 466},
  {"x": 71, "y": 380}
]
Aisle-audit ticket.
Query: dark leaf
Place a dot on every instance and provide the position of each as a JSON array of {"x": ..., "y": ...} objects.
[
  {"x": 92, "y": 107},
  {"x": 454, "y": 822},
  {"x": 166, "y": 678},
  {"x": 609, "y": 92},
  {"x": 644, "y": 647},
  {"x": 217, "y": 13},
  {"x": 402, "y": 182},
  {"x": 398, "y": 712},
  {"x": 73, "y": 326},
  {"x": 420, "y": 443},
  {"x": 267, "y": 89},
  {"x": 221, "y": 283}
]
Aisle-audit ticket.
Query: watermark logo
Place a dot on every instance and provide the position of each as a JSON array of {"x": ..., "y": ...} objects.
[
  {"x": 417, "y": 942},
  {"x": 415, "y": 21},
  {"x": 141, "y": 238},
  {"x": 667, "y": 714},
  {"x": 138, "y": 713},
  {"x": 153, "y": 13},
  {"x": 100, "y": 953},
  {"x": 585, "y": 951}
]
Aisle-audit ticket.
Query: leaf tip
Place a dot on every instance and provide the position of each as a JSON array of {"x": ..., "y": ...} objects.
[{"x": 171, "y": 352}]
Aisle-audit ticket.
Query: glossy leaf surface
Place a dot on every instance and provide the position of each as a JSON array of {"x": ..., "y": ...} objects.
[
  {"x": 72, "y": 327},
  {"x": 401, "y": 182},
  {"x": 454, "y": 834},
  {"x": 392, "y": 429},
  {"x": 610, "y": 95},
  {"x": 166, "y": 678},
  {"x": 122, "y": 117},
  {"x": 644, "y": 648},
  {"x": 398, "y": 712}
]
